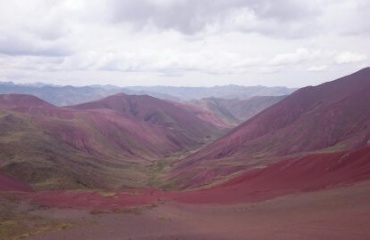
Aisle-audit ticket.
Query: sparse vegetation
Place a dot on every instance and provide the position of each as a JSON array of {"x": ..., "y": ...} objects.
[{"x": 17, "y": 223}]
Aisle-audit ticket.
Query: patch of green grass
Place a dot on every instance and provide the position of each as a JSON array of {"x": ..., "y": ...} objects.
[
  {"x": 336, "y": 148},
  {"x": 157, "y": 171}
]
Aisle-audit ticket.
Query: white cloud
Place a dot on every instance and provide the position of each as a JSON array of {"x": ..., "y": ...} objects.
[
  {"x": 319, "y": 68},
  {"x": 191, "y": 17},
  {"x": 299, "y": 56},
  {"x": 195, "y": 42},
  {"x": 350, "y": 57}
]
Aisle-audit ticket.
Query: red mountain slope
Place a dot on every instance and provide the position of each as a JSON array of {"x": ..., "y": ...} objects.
[
  {"x": 158, "y": 112},
  {"x": 299, "y": 174},
  {"x": 8, "y": 101},
  {"x": 51, "y": 147},
  {"x": 330, "y": 117}
]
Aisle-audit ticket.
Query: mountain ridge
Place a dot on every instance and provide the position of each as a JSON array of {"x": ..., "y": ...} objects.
[
  {"x": 64, "y": 147},
  {"x": 72, "y": 95},
  {"x": 330, "y": 117}
]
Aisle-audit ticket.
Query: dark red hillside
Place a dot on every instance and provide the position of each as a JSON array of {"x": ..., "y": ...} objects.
[
  {"x": 299, "y": 174},
  {"x": 333, "y": 116},
  {"x": 174, "y": 116},
  {"x": 8, "y": 101}
]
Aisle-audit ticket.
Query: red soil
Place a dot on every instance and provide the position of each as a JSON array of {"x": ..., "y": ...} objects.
[
  {"x": 93, "y": 200},
  {"x": 331, "y": 214},
  {"x": 300, "y": 174},
  {"x": 308, "y": 173}
]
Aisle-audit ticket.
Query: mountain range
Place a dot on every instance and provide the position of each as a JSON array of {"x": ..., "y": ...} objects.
[
  {"x": 71, "y": 95},
  {"x": 129, "y": 141},
  {"x": 228, "y": 91},
  {"x": 129, "y": 166}
]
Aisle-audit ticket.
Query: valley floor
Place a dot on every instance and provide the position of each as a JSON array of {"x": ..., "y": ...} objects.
[{"x": 332, "y": 214}]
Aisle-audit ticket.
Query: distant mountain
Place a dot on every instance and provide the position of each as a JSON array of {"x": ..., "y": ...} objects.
[
  {"x": 228, "y": 91},
  {"x": 59, "y": 95},
  {"x": 107, "y": 144},
  {"x": 14, "y": 101},
  {"x": 237, "y": 111},
  {"x": 70, "y": 95},
  {"x": 175, "y": 116},
  {"x": 331, "y": 117}
]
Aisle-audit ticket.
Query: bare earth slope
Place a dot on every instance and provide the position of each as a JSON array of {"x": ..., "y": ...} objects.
[{"x": 330, "y": 214}]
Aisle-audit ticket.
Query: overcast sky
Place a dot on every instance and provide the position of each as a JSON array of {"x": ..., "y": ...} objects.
[{"x": 183, "y": 42}]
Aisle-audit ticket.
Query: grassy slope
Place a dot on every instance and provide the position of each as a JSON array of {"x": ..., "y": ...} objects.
[{"x": 30, "y": 154}]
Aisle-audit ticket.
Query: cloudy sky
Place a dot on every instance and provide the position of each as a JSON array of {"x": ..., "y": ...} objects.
[{"x": 183, "y": 42}]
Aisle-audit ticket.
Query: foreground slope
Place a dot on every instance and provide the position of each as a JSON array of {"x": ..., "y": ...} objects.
[
  {"x": 321, "y": 196},
  {"x": 50, "y": 147},
  {"x": 331, "y": 214},
  {"x": 330, "y": 117}
]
